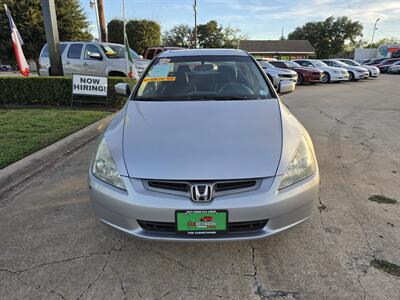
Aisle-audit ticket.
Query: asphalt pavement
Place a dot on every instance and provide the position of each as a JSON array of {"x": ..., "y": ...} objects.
[{"x": 52, "y": 246}]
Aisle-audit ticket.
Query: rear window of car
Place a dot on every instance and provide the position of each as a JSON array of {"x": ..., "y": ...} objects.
[
  {"x": 75, "y": 51},
  {"x": 45, "y": 51},
  {"x": 217, "y": 77}
]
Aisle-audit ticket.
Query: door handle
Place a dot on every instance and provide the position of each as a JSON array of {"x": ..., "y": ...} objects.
[{"x": 67, "y": 63}]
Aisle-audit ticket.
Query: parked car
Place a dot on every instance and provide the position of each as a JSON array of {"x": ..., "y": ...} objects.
[
  {"x": 92, "y": 58},
  {"x": 395, "y": 68},
  {"x": 154, "y": 51},
  {"x": 355, "y": 72},
  {"x": 195, "y": 141},
  {"x": 276, "y": 75},
  {"x": 330, "y": 74},
  {"x": 385, "y": 64},
  {"x": 304, "y": 74},
  {"x": 5, "y": 68},
  {"x": 374, "y": 61},
  {"x": 373, "y": 71}
]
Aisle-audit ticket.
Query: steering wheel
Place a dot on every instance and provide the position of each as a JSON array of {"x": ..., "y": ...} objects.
[{"x": 237, "y": 88}]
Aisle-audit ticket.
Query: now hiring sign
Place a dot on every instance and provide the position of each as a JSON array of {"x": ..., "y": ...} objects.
[{"x": 89, "y": 85}]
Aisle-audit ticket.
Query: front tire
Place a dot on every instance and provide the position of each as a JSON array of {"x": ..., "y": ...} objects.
[
  {"x": 326, "y": 77},
  {"x": 351, "y": 76},
  {"x": 300, "y": 79}
]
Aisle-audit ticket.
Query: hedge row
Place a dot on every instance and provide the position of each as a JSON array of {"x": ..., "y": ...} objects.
[{"x": 54, "y": 91}]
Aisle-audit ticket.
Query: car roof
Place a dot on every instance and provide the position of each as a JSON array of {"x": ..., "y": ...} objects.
[{"x": 202, "y": 52}]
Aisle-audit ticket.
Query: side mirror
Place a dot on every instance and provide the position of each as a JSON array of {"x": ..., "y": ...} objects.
[
  {"x": 95, "y": 55},
  {"x": 122, "y": 89},
  {"x": 286, "y": 87}
]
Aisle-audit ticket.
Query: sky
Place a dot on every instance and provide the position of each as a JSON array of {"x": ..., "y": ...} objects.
[{"x": 258, "y": 19}]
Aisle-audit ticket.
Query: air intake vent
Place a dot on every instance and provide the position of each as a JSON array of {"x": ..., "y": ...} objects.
[
  {"x": 169, "y": 185},
  {"x": 234, "y": 185}
]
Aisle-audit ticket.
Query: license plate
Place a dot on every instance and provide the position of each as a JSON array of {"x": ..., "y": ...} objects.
[{"x": 201, "y": 222}]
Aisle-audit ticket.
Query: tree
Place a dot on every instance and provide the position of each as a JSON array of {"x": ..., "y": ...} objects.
[
  {"x": 210, "y": 35},
  {"x": 115, "y": 29},
  {"x": 143, "y": 34},
  {"x": 180, "y": 36},
  {"x": 27, "y": 15},
  {"x": 328, "y": 37}
]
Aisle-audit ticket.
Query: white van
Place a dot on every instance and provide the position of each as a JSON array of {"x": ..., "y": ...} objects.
[{"x": 92, "y": 58}]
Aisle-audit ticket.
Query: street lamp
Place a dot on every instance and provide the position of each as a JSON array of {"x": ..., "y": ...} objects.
[{"x": 373, "y": 33}]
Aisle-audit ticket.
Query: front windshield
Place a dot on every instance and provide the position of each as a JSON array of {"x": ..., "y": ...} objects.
[
  {"x": 319, "y": 63},
  {"x": 351, "y": 62},
  {"x": 292, "y": 64},
  {"x": 340, "y": 63},
  {"x": 117, "y": 51},
  {"x": 203, "y": 78},
  {"x": 266, "y": 65}
]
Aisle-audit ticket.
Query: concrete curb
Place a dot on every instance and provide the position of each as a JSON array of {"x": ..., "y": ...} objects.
[{"x": 27, "y": 167}]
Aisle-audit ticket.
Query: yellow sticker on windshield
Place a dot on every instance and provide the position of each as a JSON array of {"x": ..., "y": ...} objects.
[{"x": 153, "y": 79}]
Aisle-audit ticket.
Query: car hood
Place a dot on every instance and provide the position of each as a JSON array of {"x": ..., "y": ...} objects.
[
  {"x": 329, "y": 68},
  {"x": 202, "y": 140},
  {"x": 285, "y": 71},
  {"x": 355, "y": 68},
  {"x": 307, "y": 69}
]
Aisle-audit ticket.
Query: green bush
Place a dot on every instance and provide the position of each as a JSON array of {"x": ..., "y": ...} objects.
[{"x": 53, "y": 91}]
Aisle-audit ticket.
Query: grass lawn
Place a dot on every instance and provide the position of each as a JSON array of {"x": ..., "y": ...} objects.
[{"x": 25, "y": 131}]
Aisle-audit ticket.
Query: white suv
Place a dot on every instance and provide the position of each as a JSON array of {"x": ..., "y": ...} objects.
[{"x": 92, "y": 58}]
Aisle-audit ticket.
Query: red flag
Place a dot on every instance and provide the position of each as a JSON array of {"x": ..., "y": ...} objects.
[{"x": 17, "y": 43}]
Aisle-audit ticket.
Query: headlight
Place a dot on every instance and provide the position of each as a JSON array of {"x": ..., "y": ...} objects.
[
  {"x": 302, "y": 165},
  {"x": 104, "y": 167}
]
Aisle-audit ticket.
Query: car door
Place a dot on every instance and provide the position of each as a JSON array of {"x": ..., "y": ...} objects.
[
  {"x": 93, "y": 61},
  {"x": 73, "y": 61}
]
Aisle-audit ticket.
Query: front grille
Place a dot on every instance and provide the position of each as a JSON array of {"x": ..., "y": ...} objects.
[
  {"x": 287, "y": 75},
  {"x": 233, "y": 185},
  {"x": 233, "y": 227},
  {"x": 182, "y": 188},
  {"x": 169, "y": 185}
]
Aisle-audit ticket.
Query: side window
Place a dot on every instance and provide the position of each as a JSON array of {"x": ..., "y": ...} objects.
[
  {"x": 280, "y": 64},
  {"x": 329, "y": 63},
  {"x": 74, "y": 51},
  {"x": 93, "y": 53},
  {"x": 45, "y": 52}
]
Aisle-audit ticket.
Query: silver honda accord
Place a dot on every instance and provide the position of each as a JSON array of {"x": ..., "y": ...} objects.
[{"x": 204, "y": 150}]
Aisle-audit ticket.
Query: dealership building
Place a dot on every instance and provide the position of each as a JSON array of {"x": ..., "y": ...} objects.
[{"x": 279, "y": 49}]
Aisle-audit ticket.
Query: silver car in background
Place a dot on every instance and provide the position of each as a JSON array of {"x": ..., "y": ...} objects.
[
  {"x": 373, "y": 71},
  {"x": 355, "y": 72},
  {"x": 276, "y": 75},
  {"x": 204, "y": 150},
  {"x": 93, "y": 58},
  {"x": 330, "y": 74}
]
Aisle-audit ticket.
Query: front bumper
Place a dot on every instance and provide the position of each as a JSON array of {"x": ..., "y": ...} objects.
[
  {"x": 375, "y": 73},
  {"x": 363, "y": 75},
  {"x": 313, "y": 78},
  {"x": 339, "y": 77},
  {"x": 282, "y": 209}
]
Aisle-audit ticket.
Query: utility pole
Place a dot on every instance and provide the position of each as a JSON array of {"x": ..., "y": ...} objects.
[
  {"x": 93, "y": 4},
  {"x": 102, "y": 18},
  {"x": 373, "y": 33},
  {"x": 195, "y": 23},
  {"x": 53, "y": 41}
]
